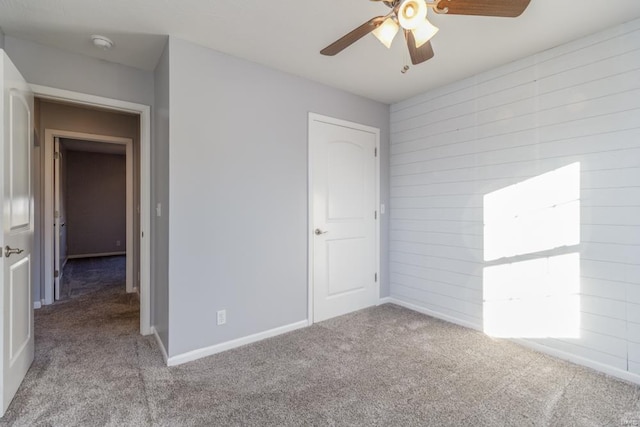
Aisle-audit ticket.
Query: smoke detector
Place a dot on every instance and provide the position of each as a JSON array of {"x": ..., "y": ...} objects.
[{"x": 101, "y": 42}]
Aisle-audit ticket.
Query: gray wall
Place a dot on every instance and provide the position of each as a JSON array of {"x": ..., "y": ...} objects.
[
  {"x": 451, "y": 147},
  {"x": 58, "y": 68},
  {"x": 160, "y": 195},
  {"x": 96, "y": 203},
  {"x": 238, "y": 185},
  {"x": 246, "y": 179}
]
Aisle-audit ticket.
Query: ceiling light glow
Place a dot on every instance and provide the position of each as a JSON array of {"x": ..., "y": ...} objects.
[{"x": 412, "y": 14}]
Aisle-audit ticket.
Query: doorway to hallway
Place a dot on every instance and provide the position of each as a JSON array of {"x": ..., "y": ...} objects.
[{"x": 142, "y": 161}]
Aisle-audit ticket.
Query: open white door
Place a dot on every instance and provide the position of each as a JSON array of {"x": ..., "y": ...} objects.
[
  {"x": 58, "y": 221},
  {"x": 344, "y": 186},
  {"x": 17, "y": 230}
]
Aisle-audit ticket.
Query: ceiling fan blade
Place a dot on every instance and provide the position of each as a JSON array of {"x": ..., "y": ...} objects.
[
  {"x": 506, "y": 8},
  {"x": 418, "y": 54},
  {"x": 352, "y": 37}
]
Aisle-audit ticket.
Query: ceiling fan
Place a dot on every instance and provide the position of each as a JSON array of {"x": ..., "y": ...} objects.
[{"x": 411, "y": 17}]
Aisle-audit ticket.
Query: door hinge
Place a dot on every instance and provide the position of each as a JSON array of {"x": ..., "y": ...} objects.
[
  {"x": 56, "y": 274},
  {"x": 376, "y": 277},
  {"x": 375, "y": 152},
  {"x": 375, "y": 214},
  {"x": 56, "y": 156}
]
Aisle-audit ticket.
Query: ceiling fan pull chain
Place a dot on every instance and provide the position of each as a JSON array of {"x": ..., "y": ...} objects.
[{"x": 405, "y": 61}]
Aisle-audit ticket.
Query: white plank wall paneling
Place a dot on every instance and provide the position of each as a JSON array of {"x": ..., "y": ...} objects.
[{"x": 579, "y": 102}]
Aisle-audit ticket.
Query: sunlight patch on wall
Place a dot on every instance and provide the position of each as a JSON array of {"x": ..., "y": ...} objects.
[
  {"x": 529, "y": 291},
  {"x": 538, "y": 298},
  {"x": 539, "y": 214}
]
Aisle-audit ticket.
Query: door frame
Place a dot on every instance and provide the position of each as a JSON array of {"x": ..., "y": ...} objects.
[
  {"x": 310, "y": 236},
  {"x": 49, "y": 194},
  {"x": 144, "y": 112}
]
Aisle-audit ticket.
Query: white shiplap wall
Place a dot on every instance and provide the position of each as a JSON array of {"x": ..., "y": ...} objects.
[{"x": 579, "y": 102}]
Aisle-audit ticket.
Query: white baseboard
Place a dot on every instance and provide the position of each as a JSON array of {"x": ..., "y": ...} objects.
[
  {"x": 600, "y": 367},
  {"x": 218, "y": 348},
  {"x": 96, "y": 255},
  {"x": 160, "y": 344},
  {"x": 384, "y": 300},
  {"x": 597, "y": 366},
  {"x": 435, "y": 314}
]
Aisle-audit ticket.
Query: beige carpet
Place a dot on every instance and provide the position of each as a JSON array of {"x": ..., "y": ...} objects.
[{"x": 384, "y": 366}]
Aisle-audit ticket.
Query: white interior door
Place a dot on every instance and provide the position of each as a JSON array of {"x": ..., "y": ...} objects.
[
  {"x": 57, "y": 220},
  {"x": 343, "y": 160},
  {"x": 17, "y": 231}
]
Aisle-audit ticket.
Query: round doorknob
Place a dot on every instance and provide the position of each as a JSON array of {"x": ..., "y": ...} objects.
[{"x": 319, "y": 232}]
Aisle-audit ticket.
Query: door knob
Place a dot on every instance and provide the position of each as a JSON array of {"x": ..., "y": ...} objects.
[
  {"x": 319, "y": 232},
  {"x": 9, "y": 251}
]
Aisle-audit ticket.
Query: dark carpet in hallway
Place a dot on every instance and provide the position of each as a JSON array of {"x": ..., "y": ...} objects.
[
  {"x": 384, "y": 366},
  {"x": 87, "y": 275}
]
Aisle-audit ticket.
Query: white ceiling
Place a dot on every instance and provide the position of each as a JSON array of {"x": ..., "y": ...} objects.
[{"x": 288, "y": 34}]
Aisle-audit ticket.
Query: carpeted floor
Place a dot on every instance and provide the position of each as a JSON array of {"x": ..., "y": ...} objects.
[
  {"x": 87, "y": 275},
  {"x": 384, "y": 366}
]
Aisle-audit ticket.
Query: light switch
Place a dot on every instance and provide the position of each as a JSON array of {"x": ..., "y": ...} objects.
[
  {"x": 382, "y": 208},
  {"x": 159, "y": 209}
]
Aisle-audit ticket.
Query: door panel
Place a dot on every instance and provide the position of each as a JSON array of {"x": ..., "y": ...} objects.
[
  {"x": 19, "y": 159},
  {"x": 344, "y": 225},
  {"x": 347, "y": 266},
  {"x": 17, "y": 230},
  {"x": 347, "y": 184},
  {"x": 20, "y": 296}
]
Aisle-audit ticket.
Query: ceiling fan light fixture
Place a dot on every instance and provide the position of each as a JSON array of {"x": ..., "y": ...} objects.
[
  {"x": 412, "y": 13},
  {"x": 386, "y": 32},
  {"x": 424, "y": 33}
]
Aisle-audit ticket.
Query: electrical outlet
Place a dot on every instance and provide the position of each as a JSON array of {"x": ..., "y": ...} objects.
[{"x": 222, "y": 317}]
